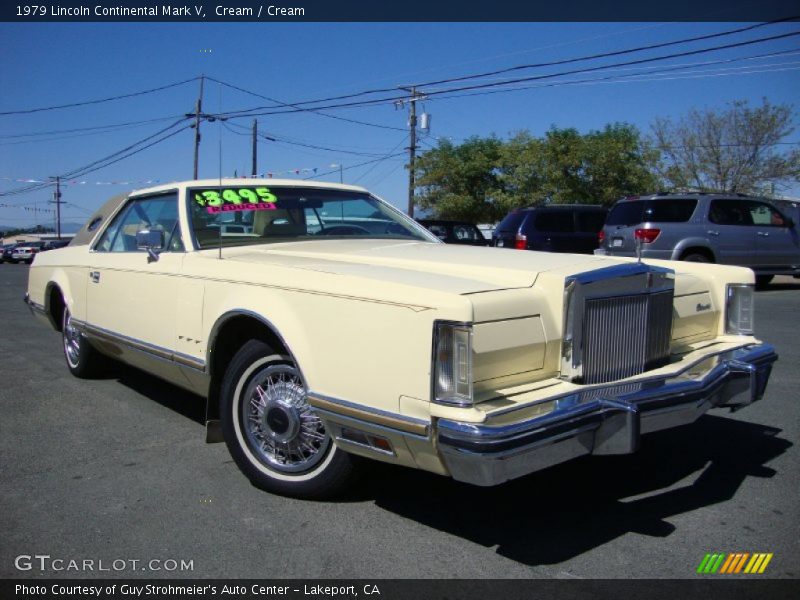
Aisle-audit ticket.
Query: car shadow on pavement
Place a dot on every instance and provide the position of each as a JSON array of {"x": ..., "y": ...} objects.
[
  {"x": 167, "y": 395},
  {"x": 562, "y": 512}
]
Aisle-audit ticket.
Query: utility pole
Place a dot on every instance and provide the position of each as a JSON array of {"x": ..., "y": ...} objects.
[
  {"x": 197, "y": 114},
  {"x": 412, "y": 147},
  {"x": 57, "y": 201},
  {"x": 255, "y": 148},
  {"x": 341, "y": 173}
]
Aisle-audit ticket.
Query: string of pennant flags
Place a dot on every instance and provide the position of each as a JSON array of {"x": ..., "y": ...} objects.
[
  {"x": 79, "y": 182},
  {"x": 301, "y": 171},
  {"x": 28, "y": 208}
]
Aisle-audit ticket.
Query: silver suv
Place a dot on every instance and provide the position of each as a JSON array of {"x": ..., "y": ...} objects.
[{"x": 724, "y": 228}]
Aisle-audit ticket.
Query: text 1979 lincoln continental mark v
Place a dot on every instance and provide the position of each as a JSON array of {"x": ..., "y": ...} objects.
[{"x": 319, "y": 322}]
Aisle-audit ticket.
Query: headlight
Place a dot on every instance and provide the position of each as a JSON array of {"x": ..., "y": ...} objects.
[
  {"x": 452, "y": 363},
  {"x": 739, "y": 309}
]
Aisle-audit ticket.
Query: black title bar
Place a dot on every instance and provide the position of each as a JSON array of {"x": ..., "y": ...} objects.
[{"x": 408, "y": 10}]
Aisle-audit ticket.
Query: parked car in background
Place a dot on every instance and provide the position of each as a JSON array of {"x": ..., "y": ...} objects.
[
  {"x": 54, "y": 244},
  {"x": 455, "y": 232},
  {"x": 552, "y": 228},
  {"x": 335, "y": 325},
  {"x": 6, "y": 248},
  {"x": 713, "y": 228},
  {"x": 26, "y": 251}
]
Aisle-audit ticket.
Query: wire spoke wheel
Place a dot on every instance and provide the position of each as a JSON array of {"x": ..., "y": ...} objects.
[
  {"x": 281, "y": 428},
  {"x": 72, "y": 340},
  {"x": 273, "y": 434}
]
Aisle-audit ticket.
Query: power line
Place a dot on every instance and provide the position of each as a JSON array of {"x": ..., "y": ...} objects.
[
  {"x": 83, "y": 170},
  {"x": 559, "y": 62},
  {"x": 386, "y": 157},
  {"x": 79, "y": 132},
  {"x": 688, "y": 65},
  {"x": 252, "y": 112},
  {"x": 272, "y": 137},
  {"x": 98, "y": 101},
  {"x": 311, "y": 110},
  {"x": 625, "y": 78},
  {"x": 105, "y": 161},
  {"x": 338, "y": 169},
  {"x": 94, "y": 127},
  {"x": 604, "y": 67},
  {"x": 609, "y": 54}
]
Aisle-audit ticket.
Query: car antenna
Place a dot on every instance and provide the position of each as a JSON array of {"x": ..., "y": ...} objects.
[{"x": 219, "y": 128}]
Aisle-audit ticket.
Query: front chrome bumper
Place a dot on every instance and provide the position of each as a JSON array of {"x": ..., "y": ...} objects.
[{"x": 604, "y": 419}]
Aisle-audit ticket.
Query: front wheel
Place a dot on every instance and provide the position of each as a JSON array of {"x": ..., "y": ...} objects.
[{"x": 271, "y": 431}]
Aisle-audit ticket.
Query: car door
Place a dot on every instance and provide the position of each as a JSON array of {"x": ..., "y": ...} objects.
[
  {"x": 731, "y": 232},
  {"x": 777, "y": 244},
  {"x": 131, "y": 298}
]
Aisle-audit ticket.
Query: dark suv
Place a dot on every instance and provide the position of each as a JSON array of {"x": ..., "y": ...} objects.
[
  {"x": 551, "y": 228},
  {"x": 455, "y": 232},
  {"x": 723, "y": 228}
]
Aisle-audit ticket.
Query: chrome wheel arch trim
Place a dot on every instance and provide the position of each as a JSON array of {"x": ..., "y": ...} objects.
[{"x": 244, "y": 312}]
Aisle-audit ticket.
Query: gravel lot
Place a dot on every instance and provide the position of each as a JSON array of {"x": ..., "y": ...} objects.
[{"x": 118, "y": 469}]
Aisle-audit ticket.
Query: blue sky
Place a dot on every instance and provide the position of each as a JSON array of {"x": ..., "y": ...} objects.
[{"x": 47, "y": 64}]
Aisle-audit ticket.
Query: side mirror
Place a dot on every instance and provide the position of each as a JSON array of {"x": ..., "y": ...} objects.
[
  {"x": 789, "y": 222},
  {"x": 152, "y": 241}
]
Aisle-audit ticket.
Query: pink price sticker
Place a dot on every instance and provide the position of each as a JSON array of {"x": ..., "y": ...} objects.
[{"x": 241, "y": 207}]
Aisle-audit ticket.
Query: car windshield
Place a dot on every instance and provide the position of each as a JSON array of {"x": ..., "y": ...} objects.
[{"x": 244, "y": 215}]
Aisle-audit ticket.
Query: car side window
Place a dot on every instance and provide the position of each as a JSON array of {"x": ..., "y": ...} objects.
[
  {"x": 560, "y": 221},
  {"x": 463, "y": 232},
  {"x": 156, "y": 213},
  {"x": 729, "y": 212},
  {"x": 439, "y": 231},
  {"x": 763, "y": 214},
  {"x": 591, "y": 221}
]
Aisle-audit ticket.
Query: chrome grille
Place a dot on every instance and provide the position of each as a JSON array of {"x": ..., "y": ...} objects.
[{"x": 625, "y": 335}]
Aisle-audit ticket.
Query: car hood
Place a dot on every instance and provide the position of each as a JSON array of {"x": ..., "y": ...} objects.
[{"x": 442, "y": 267}]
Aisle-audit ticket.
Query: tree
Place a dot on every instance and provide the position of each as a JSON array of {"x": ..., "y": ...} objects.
[
  {"x": 459, "y": 182},
  {"x": 617, "y": 162},
  {"x": 736, "y": 149},
  {"x": 483, "y": 178}
]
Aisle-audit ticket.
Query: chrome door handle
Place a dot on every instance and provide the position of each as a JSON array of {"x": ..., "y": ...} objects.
[
  {"x": 712, "y": 232},
  {"x": 95, "y": 276},
  {"x": 763, "y": 233}
]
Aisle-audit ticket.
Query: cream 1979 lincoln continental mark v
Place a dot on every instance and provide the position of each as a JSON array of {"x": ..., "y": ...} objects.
[{"x": 319, "y": 323}]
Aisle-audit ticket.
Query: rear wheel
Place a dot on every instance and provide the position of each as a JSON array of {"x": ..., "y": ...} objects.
[
  {"x": 82, "y": 360},
  {"x": 271, "y": 431}
]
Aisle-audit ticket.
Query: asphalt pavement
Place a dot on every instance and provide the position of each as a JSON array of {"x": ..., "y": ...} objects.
[{"x": 117, "y": 469}]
